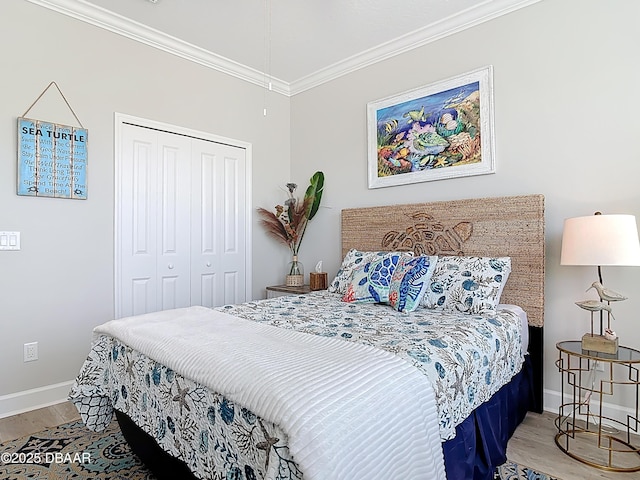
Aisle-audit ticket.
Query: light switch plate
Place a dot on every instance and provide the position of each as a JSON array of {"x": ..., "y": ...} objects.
[{"x": 9, "y": 240}]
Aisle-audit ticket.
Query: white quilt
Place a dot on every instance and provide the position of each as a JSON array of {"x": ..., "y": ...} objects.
[{"x": 317, "y": 389}]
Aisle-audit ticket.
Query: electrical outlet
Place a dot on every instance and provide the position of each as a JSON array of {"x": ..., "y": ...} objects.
[{"x": 30, "y": 351}]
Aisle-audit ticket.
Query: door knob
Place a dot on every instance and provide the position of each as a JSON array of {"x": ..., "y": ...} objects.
[
  {"x": 170, "y": 266},
  {"x": 208, "y": 264}
]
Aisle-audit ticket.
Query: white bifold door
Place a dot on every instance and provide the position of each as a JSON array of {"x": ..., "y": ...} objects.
[{"x": 181, "y": 218}]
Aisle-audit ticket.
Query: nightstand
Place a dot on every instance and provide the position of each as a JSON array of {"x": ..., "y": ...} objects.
[
  {"x": 589, "y": 377},
  {"x": 280, "y": 290}
]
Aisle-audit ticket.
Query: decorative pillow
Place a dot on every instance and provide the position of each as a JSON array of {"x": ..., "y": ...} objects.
[
  {"x": 467, "y": 284},
  {"x": 370, "y": 283},
  {"x": 353, "y": 260},
  {"x": 410, "y": 281}
]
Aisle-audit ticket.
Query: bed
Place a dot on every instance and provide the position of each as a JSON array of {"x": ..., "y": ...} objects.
[{"x": 166, "y": 407}]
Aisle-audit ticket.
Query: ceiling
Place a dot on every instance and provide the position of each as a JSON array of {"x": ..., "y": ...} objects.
[{"x": 297, "y": 44}]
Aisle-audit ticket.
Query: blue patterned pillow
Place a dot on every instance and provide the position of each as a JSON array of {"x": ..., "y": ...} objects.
[
  {"x": 353, "y": 260},
  {"x": 410, "y": 281},
  {"x": 467, "y": 284},
  {"x": 370, "y": 283}
]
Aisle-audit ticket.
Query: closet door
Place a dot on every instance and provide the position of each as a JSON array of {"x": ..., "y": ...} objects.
[
  {"x": 218, "y": 260},
  {"x": 181, "y": 222},
  {"x": 173, "y": 232},
  {"x": 154, "y": 253}
]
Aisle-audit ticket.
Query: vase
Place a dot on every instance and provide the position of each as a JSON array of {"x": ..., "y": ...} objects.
[{"x": 295, "y": 273}]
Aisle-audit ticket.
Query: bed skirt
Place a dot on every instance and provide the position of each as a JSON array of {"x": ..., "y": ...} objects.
[
  {"x": 480, "y": 444},
  {"x": 479, "y": 447}
]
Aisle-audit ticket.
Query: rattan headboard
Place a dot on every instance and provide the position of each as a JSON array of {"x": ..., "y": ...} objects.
[{"x": 503, "y": 226}]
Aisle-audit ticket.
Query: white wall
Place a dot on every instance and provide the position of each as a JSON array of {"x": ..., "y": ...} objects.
[
  {"x": 60, "y": 284},
  {"x": 566, "y": 80}
]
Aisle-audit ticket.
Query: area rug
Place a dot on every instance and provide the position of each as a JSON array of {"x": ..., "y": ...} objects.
[
  {"x": 71, "y": 451},
  {"x": 513, "y": 471}
]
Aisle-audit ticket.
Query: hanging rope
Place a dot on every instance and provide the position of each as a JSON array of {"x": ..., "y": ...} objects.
[{"x": 63, "y": 97}]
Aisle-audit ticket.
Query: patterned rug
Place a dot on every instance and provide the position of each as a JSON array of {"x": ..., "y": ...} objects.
[
  {"x": 513, "y": 471},
  {"x": 70, "y": 451}
]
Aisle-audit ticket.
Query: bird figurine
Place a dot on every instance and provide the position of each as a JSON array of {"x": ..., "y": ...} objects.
[
  {"x": 606, "y": 294},
  {"x": 610, "y": 334},
  {"x": 595, "y": 306}
]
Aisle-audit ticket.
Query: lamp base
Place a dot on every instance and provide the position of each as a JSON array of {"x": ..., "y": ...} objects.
[{"x": 599, "y": 343}]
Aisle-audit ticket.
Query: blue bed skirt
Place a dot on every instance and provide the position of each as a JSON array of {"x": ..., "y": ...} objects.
[{"x": 480, "y": 444}]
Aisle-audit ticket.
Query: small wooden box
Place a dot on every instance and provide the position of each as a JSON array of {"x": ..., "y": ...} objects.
[
  {"x": 318, "y": 280},
  {"x": 599, "y": 343}
]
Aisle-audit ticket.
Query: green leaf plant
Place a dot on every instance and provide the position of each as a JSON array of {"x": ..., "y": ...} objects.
[{"x": 289, "y": 221}]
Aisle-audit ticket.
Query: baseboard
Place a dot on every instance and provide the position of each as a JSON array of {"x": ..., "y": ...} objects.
[
  {"x": 20, "y": 402},
  {"x": 552, "y": 402}
]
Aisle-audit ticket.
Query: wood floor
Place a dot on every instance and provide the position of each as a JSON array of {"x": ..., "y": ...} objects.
[
  {"x": 37, "y": 420},
  {"x": 531, "y": 445}
]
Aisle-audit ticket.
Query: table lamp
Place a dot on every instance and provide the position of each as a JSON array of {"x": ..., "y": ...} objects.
[{"x": 601, "y": 240}]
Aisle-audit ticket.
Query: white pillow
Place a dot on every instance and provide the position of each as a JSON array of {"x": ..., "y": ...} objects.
[{"x": 467, "y": 284}]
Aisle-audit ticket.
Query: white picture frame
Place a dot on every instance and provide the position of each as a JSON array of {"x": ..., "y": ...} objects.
[{"x": 440, "y": 131}]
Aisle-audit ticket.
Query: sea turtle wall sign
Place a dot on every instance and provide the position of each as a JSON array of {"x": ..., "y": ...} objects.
[
  {"x": 443, "y": 130},
  {"x": 52, "y": 159}
]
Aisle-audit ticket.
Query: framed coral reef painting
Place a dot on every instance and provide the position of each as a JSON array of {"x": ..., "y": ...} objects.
[{"x": 443, "y": 130}]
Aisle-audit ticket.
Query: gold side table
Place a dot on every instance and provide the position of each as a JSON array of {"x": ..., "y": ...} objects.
[{"x": 581, "y": 434}]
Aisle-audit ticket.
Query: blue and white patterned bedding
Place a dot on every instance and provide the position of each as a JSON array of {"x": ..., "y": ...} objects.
[
  {"x": 467, "y": 358},
  {"x": 217, "y": 439}
]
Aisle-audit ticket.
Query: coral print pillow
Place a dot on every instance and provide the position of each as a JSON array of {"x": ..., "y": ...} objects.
[
  {"x": 353, "y": 260},
  {"x": 467, "y": 284},
  {"x": 410, "y": 281},
  {"x": 370, "y": 283}
]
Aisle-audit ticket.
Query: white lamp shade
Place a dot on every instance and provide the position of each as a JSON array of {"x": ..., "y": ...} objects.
[{"x": 600, "y": 240}]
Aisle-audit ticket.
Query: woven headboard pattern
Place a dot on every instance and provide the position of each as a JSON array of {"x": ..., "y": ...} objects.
[{"x": 501, "y": 226}]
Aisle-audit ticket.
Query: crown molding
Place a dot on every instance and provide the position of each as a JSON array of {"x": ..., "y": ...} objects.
[
  {"x": 100, "y": 17},
  {"x": 454, "y": 24}
]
